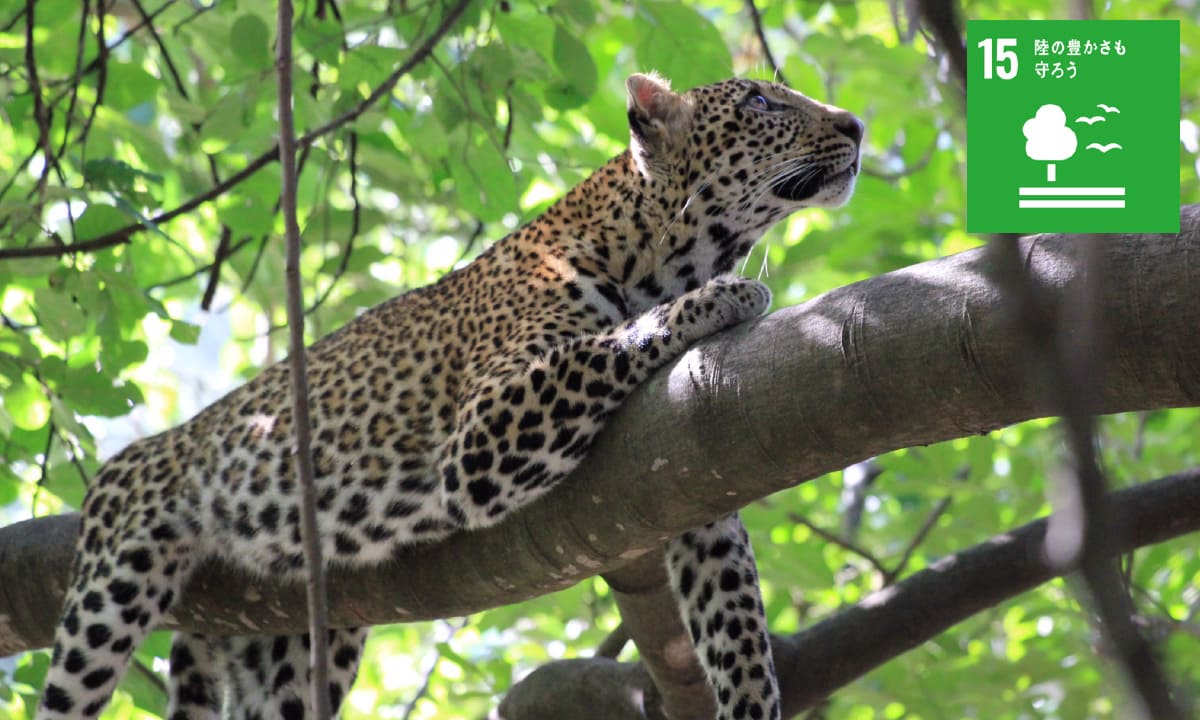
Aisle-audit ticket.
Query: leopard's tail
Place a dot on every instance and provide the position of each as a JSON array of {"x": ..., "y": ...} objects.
[
  {"x": 716, "y": 584},
  {"x": 256, "y": 676}
]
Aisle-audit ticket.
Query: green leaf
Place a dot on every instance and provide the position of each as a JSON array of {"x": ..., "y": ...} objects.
[
  {"x": 580, "y": 12},
  {"x": 185, "y": 332},
  {"x": 112, "y": 173},
  {"x": 58, "y": 314},
  {"x": 485, "y": 183},
  {"x": 527, "y": 27},
  {"x": 322, "y": 38},
  {"x": 99, "y": 220},
  {"x": 578, "y": 71},
  {"x": 65, "y": 420},
  {"x": 247, "y": 214},
  {"x": 128, "y": 86},
  {"x": 27, "y": 404},
  {"x": 683, "y": 45},
  {"x": 250, "y": 41},
  {"x": 95, "y": 394}
]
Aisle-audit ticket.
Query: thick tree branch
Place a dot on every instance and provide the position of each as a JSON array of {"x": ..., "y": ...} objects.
[
  {"x": 650, "y": 614},
  {"x": 916, "y": 356},
  {"x": 815, "y": 662}
]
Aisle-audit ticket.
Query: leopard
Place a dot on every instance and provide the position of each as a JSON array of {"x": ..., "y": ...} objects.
[{"x": 450, "y": 406}]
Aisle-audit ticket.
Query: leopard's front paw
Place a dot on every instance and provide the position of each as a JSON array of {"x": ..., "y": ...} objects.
[{"x": 722, "y": 302}]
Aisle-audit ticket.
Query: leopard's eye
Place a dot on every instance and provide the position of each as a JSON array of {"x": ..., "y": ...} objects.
[{"x": 758, "y": 102}]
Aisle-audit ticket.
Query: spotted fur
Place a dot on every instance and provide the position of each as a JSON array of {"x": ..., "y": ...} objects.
[{"x": 448, "y": 407}]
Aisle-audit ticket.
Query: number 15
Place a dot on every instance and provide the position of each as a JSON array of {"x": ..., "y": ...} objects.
[{"x": 1006, "y": 58}]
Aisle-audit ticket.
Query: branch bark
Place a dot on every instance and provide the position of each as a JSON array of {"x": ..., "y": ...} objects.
[
  {"x": 913, "y": 357},
  {"x": 815, "y": 662}
]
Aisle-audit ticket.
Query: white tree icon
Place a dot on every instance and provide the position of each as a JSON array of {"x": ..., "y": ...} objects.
[{"x": 1048, "y": 138}]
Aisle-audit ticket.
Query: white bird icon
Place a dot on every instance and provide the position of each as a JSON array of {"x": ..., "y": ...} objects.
[
  {"x": 1108, "y": 108},
  {"x": 1089, "y": 120},
  {"x": 1104, "y": 148}
]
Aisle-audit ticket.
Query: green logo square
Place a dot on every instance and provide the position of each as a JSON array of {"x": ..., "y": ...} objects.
[{"x": 1073, "y": 126}]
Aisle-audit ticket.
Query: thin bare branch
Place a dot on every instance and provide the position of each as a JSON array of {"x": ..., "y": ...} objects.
[
  {"x": 318, "y": 613},
  {"x": 848, "y": 545},
  {"x": 214, "y": 275},
  {"x": 756, "y": 18},
  {"x": 926, "y": 527},
  {"x": 614, "y": 643},
  {"x": 41, "y": 113}
]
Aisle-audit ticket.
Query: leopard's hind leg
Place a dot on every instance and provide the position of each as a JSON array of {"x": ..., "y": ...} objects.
[{"x": 131, "y": 560}]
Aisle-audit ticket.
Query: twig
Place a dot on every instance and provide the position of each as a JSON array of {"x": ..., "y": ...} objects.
[
  {"x": 318, "y": 613},
  {"x": 508, "y": 126},
  {"x": 41, "y": 113},
  {"x": 411, "y": 707},
  {"x": 355, "y": 226},
  {"x": 214, "y": 275},
  {"x": 43, "y": 470},
  {"x": 123, "y": 235},
  {"x": 762, "y": 40},
  {"x": 80, "y": 46},
  {"x": 258, "y": 254},
  {"x": 912, "y": 169},
  {"x": 16, "y": 18},
  {"x": 612, "y": 645},
  {"x": 17, "y": 173},
  {"x": 919, "y": 538},
  {"x": 162, "y": 48},
  {"x": 124, "y": 36},
  {"x": 147, "y": 674},
  {"x": 101, "y": 66},
  {"x": 200, "y": 270},
  {"x": 848, "y": 545},
  {"x": 73, "y": 453}
]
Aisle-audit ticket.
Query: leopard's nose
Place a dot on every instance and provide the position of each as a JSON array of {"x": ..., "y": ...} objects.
[{"x": 851, "y": 127}]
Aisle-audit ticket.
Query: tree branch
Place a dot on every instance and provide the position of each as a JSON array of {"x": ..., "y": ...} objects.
[
  {"x": 814, "y": 663},
  {"x": 916, "y": 356},
  {"x": 314, "y": 566},
  {"x": 756, "y": 18}
]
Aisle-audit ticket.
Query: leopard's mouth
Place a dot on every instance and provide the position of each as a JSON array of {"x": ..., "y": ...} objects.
[
  {"x": 806, "y": 185},
  {"x": 802, "y": 186}
]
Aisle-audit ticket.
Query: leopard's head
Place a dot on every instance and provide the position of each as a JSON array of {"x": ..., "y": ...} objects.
[{"x": 734, "y": 157}]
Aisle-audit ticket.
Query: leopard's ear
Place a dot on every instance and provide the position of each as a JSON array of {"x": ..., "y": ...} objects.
[{"x": 656, "y": 117}]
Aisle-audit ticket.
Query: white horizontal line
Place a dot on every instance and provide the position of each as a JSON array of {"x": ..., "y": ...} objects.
[
  {"x": 1071, "y": 203},
  {"x": 1094, "y": 191}
]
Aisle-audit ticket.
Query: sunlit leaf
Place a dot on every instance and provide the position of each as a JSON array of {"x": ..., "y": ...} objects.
[{"x": 250, "y": 41}]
